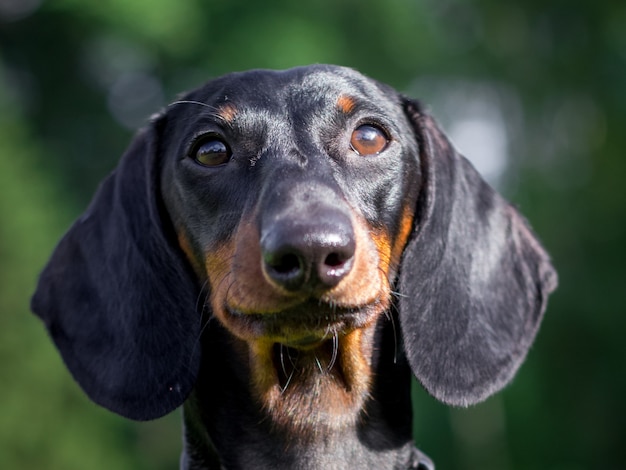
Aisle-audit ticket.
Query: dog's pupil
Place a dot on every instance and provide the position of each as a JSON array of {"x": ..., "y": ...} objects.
[{"x": 212, "y": 152}]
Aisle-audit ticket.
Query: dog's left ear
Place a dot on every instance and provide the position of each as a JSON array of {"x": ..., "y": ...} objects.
[
  {"x": 474, "y": 279},
  {"x": 117, "y": 298}
]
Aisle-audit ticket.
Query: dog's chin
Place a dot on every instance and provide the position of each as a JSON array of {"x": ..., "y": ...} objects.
[
  {"x": 311, "y": 372},
  {"x": 313, "y": 386}
]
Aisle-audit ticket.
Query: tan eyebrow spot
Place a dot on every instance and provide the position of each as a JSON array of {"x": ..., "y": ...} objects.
[
  {"x": 227, "y": 112},
  {"x": 346, "y": 104}
]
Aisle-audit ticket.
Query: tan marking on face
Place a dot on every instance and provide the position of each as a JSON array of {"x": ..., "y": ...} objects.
[
  {"x": 238, "y": 279},
  {"x": 383, "y": 245},
  {"x": 218, "y": 268},
  {"x": 402, "y": 236},
  {"x": 186, "y": 247},
  {"x": 346, "y": 104},
  {"x": 317, "y": 393},
  {"x": 390, "y": 250},
  {"x": 227, "y": 112},
  {"x": 239, "y": 283},
  {"x": 355, "y": 358}
]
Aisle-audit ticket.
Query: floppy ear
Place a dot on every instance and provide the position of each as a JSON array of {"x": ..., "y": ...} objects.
[
  {"x": 117, "y": 298},
  {"x": 474, "y": 279}
]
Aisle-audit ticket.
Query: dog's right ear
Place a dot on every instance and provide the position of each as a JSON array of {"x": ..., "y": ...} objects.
[
  {"x": 474, "y": 281},
  {"x": 118, "y": 299}
]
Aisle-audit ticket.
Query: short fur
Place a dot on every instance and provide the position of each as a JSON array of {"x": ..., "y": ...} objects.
[{"x": 285, "y": 294}]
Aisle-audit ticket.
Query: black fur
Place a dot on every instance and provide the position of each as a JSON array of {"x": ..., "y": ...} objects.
[
  {"x": 118, "y": 302},
  {"x": 474, "y": 279},
  {"x": 124, "y": 301}
]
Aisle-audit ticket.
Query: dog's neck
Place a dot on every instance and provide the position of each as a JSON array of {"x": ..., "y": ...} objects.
[{"x": 226, "y": 428}]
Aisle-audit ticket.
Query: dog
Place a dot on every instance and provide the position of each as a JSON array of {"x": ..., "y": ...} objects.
[{"x": 278, "y": 252}]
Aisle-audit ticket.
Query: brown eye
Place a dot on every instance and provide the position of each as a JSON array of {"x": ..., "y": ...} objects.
[
  {"x": 368, "y": 140},
  {"x": 211, "y": 152}
]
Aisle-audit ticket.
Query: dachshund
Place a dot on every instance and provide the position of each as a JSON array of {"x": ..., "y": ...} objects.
[{"x": 279, "y": 252}]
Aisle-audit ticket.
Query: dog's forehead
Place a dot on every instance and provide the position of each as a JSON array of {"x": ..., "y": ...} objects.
[{"x": 311, "y": 86}]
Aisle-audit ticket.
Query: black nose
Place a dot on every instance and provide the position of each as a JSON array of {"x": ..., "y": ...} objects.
[{"x": 308, "y": 253}]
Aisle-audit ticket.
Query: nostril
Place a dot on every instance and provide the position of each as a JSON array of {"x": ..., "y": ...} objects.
[
  {"x": 285, "y": 264},
  {"x": 334, "y": 260},
  {"x": 334, "y": 267},
  {"x": 286, "y": 267}
]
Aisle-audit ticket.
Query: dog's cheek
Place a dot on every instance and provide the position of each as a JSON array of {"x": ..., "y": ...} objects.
[
  {"x": 217, "y": 263},
  {"x": 191, "y": 254},
  {"x": 404, "y": 230},
  {"x": 390, "y": 243}
]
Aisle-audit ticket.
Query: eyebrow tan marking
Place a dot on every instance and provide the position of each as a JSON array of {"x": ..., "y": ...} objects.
[
  {"x": 227, "y": 112},
  {"x": 346, "y": 104}
]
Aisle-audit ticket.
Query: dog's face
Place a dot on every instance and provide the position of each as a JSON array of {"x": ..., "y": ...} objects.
[
  {"x": 292, "y": 194},
  {"x": 308, "y": 207}
]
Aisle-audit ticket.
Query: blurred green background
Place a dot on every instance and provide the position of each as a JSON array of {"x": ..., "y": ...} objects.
[{"x": 534, "y": 92}]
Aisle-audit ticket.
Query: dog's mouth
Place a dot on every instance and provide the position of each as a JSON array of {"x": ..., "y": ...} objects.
[
  {"x": 299, "y": 361},
  {"x": 313, "y": 357},
  {"x": 303, "y": 326}
]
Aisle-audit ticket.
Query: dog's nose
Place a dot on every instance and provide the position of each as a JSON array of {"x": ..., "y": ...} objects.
[{"x": 310, "y": 252}]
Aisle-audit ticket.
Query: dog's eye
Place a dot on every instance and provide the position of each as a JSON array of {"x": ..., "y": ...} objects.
[
  {"x": 211, "y": 152},
  {"x": 368, "y": 139}
]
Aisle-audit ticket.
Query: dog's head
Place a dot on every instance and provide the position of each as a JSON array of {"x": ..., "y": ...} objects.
[{"x": 299, "y": 209}]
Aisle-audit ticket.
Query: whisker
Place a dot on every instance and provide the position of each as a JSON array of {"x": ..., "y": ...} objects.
[
  {"x": 391, "y": 318},
  {"x": 398, "y": 294},
  {"x": 206, "y": 308},
  {"x": 333, "y": 358},
  {"x": 284, "y": 368},
  {"x": 282, "y": 360},
  {"x": 287, "y": 383},
  {"x": 228, "y": 279},
  {"x": 319, "y": 365},
  {"x": 205, "y": 284},
  {"x": 203, "y": 307},
  {"x": 199, "y": 103},
  {"x": 327, "y": 332},
  {"x": 216, "y": 114},
  {"x": 203, "y": 328},
  {"x": 291, "y": 360}
]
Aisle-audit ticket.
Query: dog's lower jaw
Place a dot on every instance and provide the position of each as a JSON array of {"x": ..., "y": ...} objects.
[
  {"x": 226, "y": 421},
  {"x": 313, "y": 392}
]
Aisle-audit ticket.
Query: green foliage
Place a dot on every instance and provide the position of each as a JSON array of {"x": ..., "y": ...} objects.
[{"x": 77, "y": 77}]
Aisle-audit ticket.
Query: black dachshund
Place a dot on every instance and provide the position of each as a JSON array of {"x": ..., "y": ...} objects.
[{"x": 277, "y": 252}]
